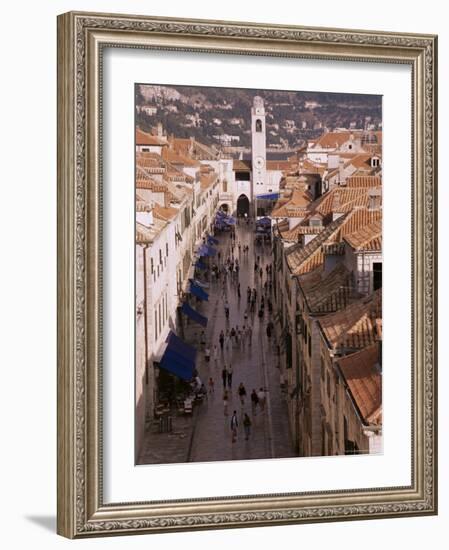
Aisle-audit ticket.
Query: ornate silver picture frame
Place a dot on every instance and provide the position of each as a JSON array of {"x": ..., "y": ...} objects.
[{"x": 82, "y": 41}]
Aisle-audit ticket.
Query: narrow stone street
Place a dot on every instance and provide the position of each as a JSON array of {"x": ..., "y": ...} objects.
[
  {"x": 207, "y": 436},
  {"x": 254, "y": 365}
]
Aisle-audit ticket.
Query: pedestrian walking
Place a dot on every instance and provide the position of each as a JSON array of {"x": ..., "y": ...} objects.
[
  {"x": 241, "y": 393},
  {"x": 238, "y": 291},
  {"x": 211, "y": 385},
  {"x": 225, "y": 402},
  {"x": 203, "y": 339},
  {"x": 262, "y": 398},
  {"x": 230, "y": 372},
  {"x": 247, "y": 426},
  {"x": 215, "y": 354},
  {"x": 221, "y": 339},
  {"x": 250, "y": 335},
  {"x": 234, "y": 426},
  {"x": 224, "y": 376},
  {"x": 244, "y": 335},
  {"x": 245, "y": 316},
  {"x": 254, "y": 401},
  {"x": 207, "y": 354}
]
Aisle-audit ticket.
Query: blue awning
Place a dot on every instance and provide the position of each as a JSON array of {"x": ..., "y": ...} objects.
[
  {"x": 206, "y": 250},
  {"x": 202, "y": 250},
  {"x": 180, "y": 346},
  {"x": 199, "y": 283},
  {"x": 212, "y": 240},
  {"x": 194, "y": 315},
  {"x": 198, "y": 292},
  {"x": 199, "y": 264},
  {"x": 268, "y": 196},
  {"x": 174, "y": 363},
  {"x": 263, "y": 221}
]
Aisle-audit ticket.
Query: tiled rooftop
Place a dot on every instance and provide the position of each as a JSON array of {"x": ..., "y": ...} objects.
[
  {"x": 368, "y": 237},
  {"x": 327, "y": 292},
  {"x": 364, "y": 382},
  {"x": 356, "y": 326}
]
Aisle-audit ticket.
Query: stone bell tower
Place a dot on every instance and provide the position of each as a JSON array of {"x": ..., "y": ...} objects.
[{"x": 258, "y": 149}]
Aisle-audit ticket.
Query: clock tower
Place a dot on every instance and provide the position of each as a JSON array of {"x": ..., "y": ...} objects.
[{"x": 258, "y": 149}]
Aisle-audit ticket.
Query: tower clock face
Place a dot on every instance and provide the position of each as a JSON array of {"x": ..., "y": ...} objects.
[{"x": 259, "y": 162}]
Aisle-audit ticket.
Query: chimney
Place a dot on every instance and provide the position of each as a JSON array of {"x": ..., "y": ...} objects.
[
  {"x": 336, "y": 202},
  {"x": 374, "y": 198}
]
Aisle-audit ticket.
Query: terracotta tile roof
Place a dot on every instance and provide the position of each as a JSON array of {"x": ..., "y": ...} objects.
[
  {"x": 362, "y": 161},
  {"x": 341, "y": 199},
  {"x": 143, "y": 138},
  {"x": 302, "y": 259},
  {"x": 294, "y": 206},
  {"x": 148, "y": 166},
  {"x": 357, "y": 219},
  {"x": 368, "y": 237},
  {"x": 146, "y": 234},
  {"x": 179, "y": 158},
  {"x": 165, "y": 213},
  {"x": 293, "y": 234},
  {"x": 178, "y": 191},
  {"x": 143, "y": 206},
  {"x": 309, "y": 167},
  {"x": 206, "y": 180},
  {"x": 283, "y": 165},
  {"x": 181, "y": 144},
  {"x": 364, "y": 181},
  {"x": 243, "y": 165},
  {"x": 326, "y": 292},
  {"x": 278, "y": 209},
  {"x": 143, "y": 183},
  {"x": 332, "y": 140},
  {"x": 357, "y": 326},
  {"x": 364, "y": 382}
]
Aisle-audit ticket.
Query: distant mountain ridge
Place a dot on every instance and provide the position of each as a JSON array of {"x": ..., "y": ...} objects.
[{"x": 218, "y": 116}]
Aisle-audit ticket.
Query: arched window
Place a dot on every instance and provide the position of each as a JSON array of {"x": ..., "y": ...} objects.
[{"x": 258, "y": 125}]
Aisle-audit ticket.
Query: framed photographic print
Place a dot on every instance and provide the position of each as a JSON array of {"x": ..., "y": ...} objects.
[{"x": 246, "y": 274}]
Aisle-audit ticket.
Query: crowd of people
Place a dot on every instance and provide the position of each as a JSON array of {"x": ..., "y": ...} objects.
[{"x": 235, "y": 339}]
